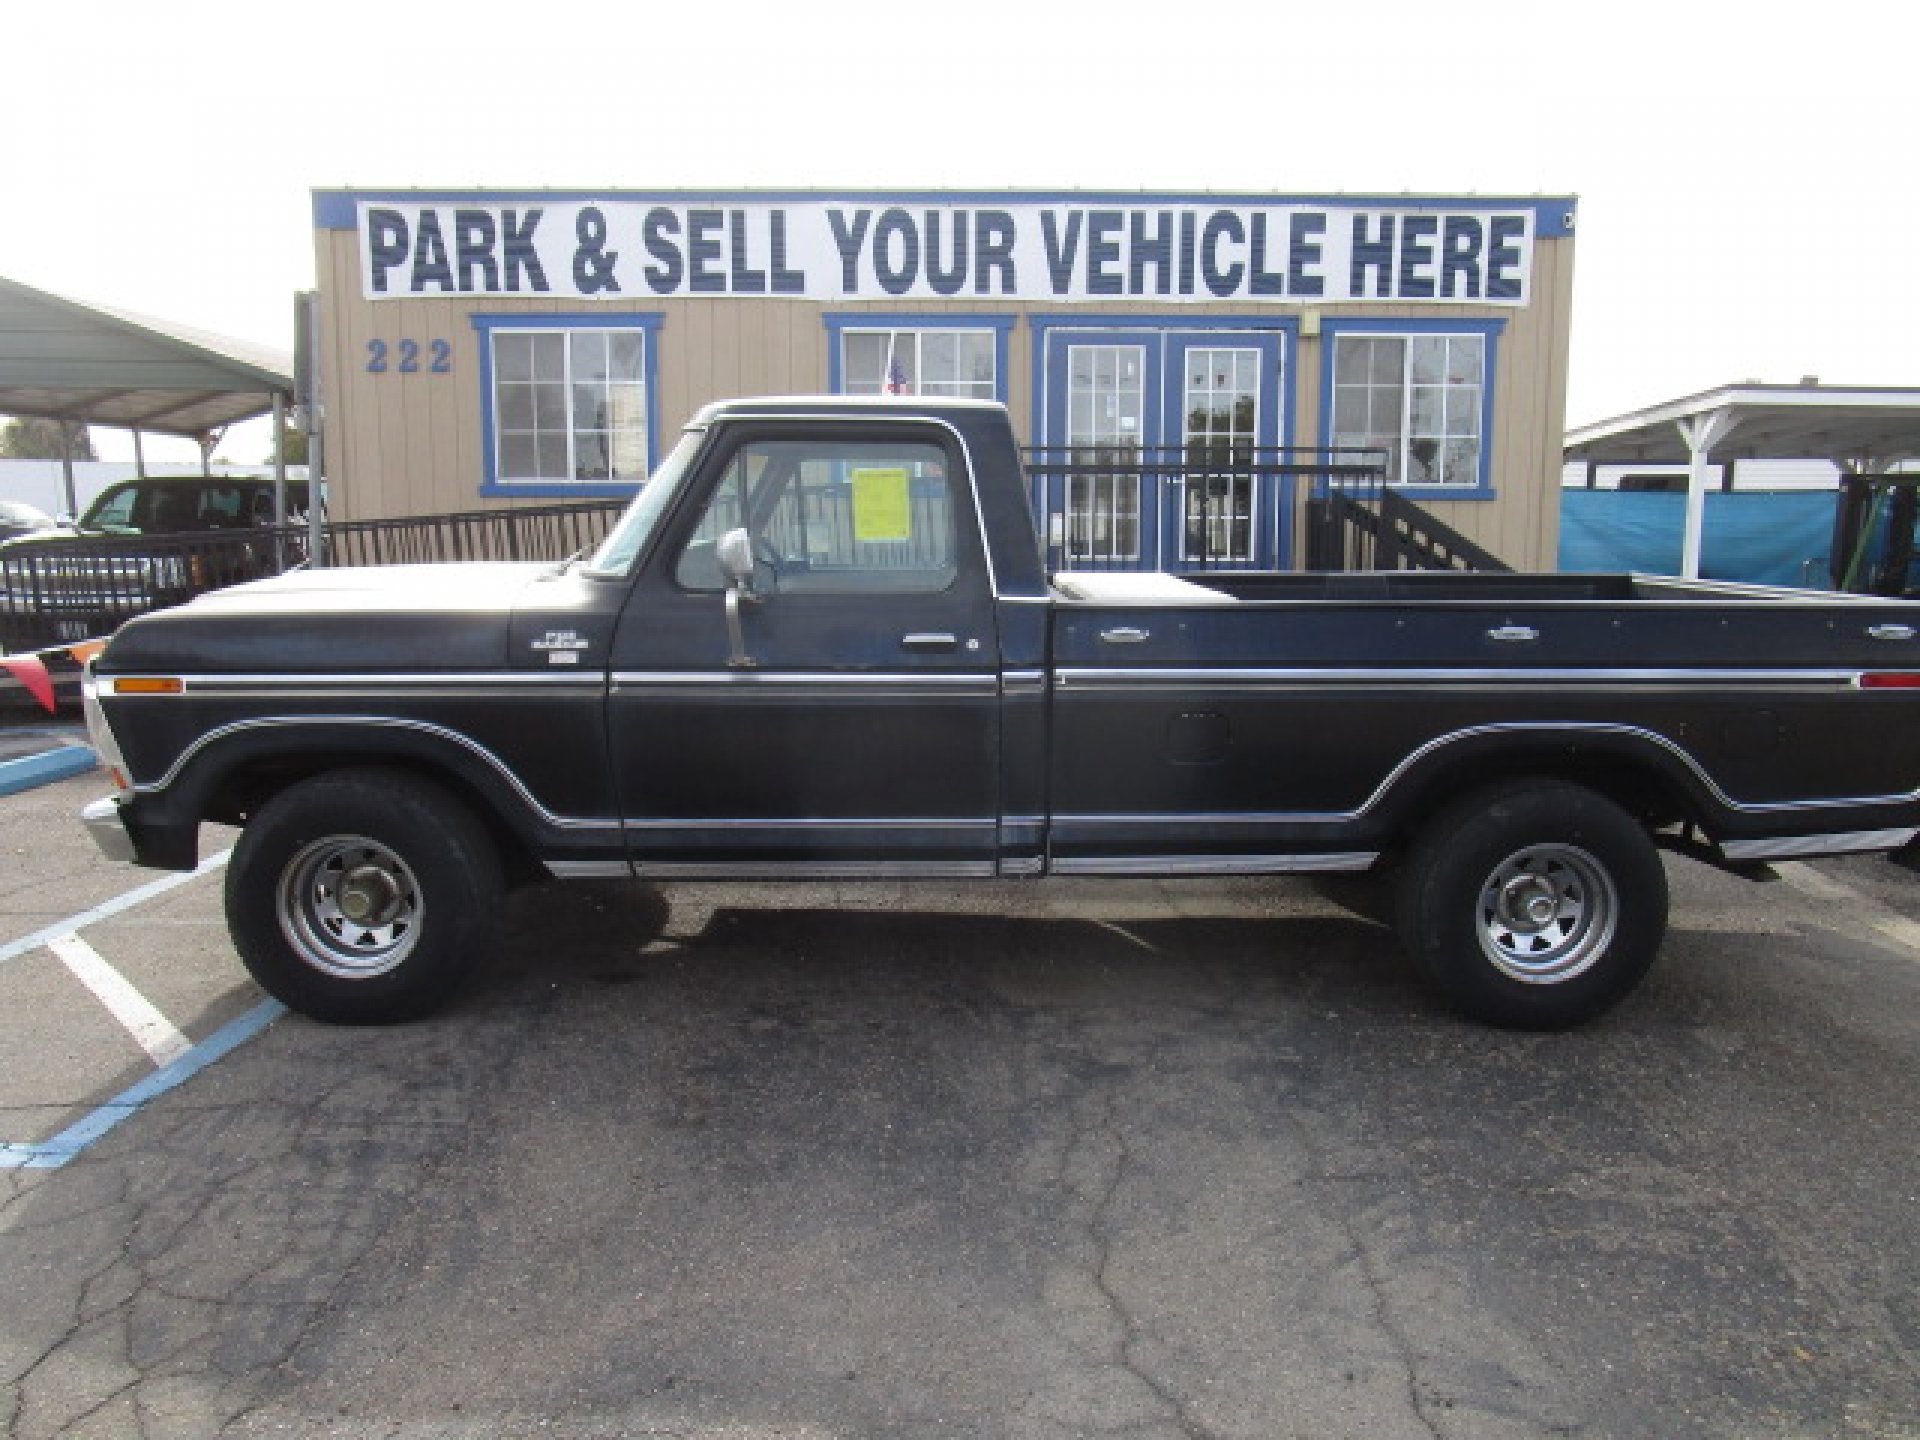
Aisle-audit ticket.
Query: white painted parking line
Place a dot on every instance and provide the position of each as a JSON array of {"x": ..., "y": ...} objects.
[
  {"x": 26, "y": 943},
  {"x": 1863, "y": 908},
  {"x": 158, "y": 1036},
  {"x": 179, "y": 1060}
]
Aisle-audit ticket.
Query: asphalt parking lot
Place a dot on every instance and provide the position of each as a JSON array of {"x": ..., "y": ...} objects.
[{"x": 1120, "y": 1158}]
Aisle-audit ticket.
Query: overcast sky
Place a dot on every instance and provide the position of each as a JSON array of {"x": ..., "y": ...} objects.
[{"x": 1745, "y": 172}]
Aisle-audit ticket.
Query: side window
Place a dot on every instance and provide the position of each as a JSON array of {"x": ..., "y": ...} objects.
[
  {"x": 169, "y": 509},
  {"x": 221, "y": 505},
  {"x": 832, "y": 517},
  {"x": 115, "y": 510}
]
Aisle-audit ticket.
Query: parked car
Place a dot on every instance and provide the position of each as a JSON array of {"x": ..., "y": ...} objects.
[
  {"x": 179, "y": 504},
  {"x": 142, "y": 545},
  {"x": 18, "y": 518}
]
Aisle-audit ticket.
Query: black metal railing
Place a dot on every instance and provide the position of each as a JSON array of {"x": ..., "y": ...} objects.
[
  {"x": 1376, "y": 528},
  {"x": 1200, "y": 506},
  {"x": 65, "y": 589},
  {"x": 543, "y": 532}
]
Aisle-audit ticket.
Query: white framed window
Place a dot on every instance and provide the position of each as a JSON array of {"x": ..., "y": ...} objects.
[
  {"x": 1419, "y": 397},
  {"x": 569, "y": 404},
  {"x": 947, "y": 362}
]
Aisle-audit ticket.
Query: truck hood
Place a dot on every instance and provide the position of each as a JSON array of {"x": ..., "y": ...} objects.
[{"x": 404, "y": 618}]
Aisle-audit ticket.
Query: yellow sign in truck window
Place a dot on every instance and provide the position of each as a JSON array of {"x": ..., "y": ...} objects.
[{"x": 881, "y": 511}]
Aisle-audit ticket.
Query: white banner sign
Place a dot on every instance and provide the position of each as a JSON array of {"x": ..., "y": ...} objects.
[{"x": 1055, "y": 252}]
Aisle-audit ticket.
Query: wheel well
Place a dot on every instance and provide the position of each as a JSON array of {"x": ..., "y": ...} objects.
[
  {"x": 241, "y": 791},
  {"x": 1642, "y": 788}
]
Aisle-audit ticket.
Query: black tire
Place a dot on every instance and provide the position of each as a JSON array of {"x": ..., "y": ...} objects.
[
  {"x": 362, "y": 897},
  {"x": 1534, "y": 905}
]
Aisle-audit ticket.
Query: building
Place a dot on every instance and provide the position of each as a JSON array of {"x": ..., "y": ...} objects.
[{"x": 485, "y": 347}]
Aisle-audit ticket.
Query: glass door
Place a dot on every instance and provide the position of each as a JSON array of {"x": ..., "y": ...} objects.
[
  {"x": 1150, "y": 439},
  {"x": 1099, "y": 510},
  {"x": 1106, "y": 427},
  {"x": 1223, "y": 394}
]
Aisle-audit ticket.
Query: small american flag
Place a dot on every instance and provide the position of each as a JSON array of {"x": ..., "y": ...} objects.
[{"x": 896, "y": 379}]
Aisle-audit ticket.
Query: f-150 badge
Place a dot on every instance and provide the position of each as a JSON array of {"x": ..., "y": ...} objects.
[{"x": 563, "y": 647}]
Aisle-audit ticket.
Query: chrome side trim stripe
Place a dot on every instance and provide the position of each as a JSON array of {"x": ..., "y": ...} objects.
[
  {"x": 815, "y": 870},
  {"x": 589, "y": 869},
  {"x": 1147, "y": 865},
  {"x": 438, "y": 732},
  {"x": 1087, "y": 680},
  {"x": 1845, "y": 842},
  {"x": 455, "y": 683},
  {"x": 856, "y": 682},
  {"x": 985, "y": 827},
  {"x": 1536, "y": 727},
  {"x": 1080, "y": 678}
]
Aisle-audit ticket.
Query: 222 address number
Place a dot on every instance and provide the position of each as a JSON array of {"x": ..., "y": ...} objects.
[{"x": 403, "y": 357}]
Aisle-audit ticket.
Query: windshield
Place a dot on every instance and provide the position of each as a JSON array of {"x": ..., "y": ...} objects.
[{"x": 620, "y": 549}]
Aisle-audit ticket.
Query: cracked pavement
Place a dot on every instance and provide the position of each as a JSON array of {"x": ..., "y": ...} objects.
[{"x": 1175, "y": 1162}]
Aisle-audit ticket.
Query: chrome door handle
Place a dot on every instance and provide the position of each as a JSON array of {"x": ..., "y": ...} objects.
[
  {"x": 1124, "y": 635},
  {"x": 1513, "y": 634},
  {"x": 930, "y": 642},
  {"x": 1890, "y": 632}
]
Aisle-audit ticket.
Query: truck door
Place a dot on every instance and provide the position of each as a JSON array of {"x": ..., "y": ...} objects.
[{"x": 850, "y": 723}]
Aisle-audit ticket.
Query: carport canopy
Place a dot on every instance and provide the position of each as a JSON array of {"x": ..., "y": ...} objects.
[
  {"x": 1861, "y": 429},
  {"x": 85, "y": 364}
]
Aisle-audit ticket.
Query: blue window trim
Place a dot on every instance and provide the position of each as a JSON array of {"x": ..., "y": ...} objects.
[
  {"x": 839, "y": 322},
  {"x": 1165, "y": 322},
  {"x": 1332, "y": 327},
  {"x": 491, "y": 485}
]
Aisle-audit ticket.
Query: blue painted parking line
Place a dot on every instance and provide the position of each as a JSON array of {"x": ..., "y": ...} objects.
[
  {"x": 52, "y": 1154},
  {"x": 61, "y": 763}
]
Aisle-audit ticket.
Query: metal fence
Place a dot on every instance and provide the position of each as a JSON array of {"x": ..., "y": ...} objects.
[
  {"x": 1111, "y": 508},
  {"x": 542, "y": 532},
  {"x": 65, "y": 589},
  {"x": 1199, "y": 506}
]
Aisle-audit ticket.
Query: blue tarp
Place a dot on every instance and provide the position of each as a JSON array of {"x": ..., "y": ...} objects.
[{"x": 1767, "y": 537}]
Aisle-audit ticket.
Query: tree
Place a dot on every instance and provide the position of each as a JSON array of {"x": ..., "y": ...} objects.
[
  {"x": 293, "y": 443},
  {"x": 32, "y": 438}
]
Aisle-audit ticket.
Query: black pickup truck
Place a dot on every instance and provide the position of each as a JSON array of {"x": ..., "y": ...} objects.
[{"x": 822, "y": 643}]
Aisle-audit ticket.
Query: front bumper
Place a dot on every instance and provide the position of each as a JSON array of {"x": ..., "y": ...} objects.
[{"x": 109, "y": 831}]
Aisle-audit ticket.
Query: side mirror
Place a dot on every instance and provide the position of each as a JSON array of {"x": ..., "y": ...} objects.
[{"x": 733, "y": 552}]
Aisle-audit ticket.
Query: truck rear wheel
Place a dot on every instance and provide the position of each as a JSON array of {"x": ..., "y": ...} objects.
[
  {"x": 362, "y": 897},
  {"x": 1534, "y": 905}
]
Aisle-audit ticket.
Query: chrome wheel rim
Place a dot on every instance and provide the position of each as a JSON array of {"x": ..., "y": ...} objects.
[
  {"x": 350, "y": 907},
  {"x": 1547, "y": 913}
]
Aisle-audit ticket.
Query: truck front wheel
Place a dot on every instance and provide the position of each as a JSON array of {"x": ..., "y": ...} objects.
[
  {"x": 362, "y": 897},
  {"x": 1535, "y": 905}
]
